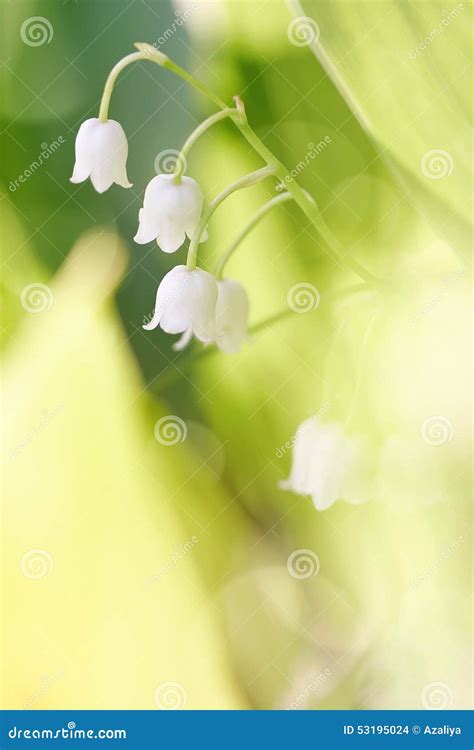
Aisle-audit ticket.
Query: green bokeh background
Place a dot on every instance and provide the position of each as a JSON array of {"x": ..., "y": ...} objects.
[{"x": 388, "y": 614}]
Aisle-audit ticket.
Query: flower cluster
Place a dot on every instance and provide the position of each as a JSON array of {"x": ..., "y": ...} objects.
[
  {"x": 328, "y": 464},
  {"x": 189, "y": 300}
]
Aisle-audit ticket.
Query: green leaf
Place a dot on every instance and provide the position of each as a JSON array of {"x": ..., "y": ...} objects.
[
  {"x": 403, "y": 68},
  {"x": 109, "y": 602}
]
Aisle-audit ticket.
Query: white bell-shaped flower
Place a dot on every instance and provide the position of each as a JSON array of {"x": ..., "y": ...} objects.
[
  {"x": 171, "y": 210},
  {"x": 186, "y": 303},
  {"x": 231, "y": 326},
  {"x": 328, "y": 465},
  {"x": 232, "y": 311},
  {"x": 101, "y": 154}
]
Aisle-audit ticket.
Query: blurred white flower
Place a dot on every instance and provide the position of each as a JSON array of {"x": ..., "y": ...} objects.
[
  {"x": 101, "y": 154},
  {"x": 186, "y": 303},
  {"x": 328, "y": 465},
  {"x": 232, "y": 310},
  {"x": 171, "y": 210}
]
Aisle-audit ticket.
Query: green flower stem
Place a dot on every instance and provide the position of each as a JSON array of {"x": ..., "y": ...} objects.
[
  {"x": 181, "y": 162},
  {"x": 242, "y": 182},
  {"x": 307, "y": 205},
  {"x": 302, "y": 198},
  {"x": 332, "y": 296},
  {"x": 258, "y": 215},
  {"x": 110, "y": 83},
  {"x": 188, "y": 358},
  {"x": 182, "y": 73},
  {"x": 148, "y": 52}
]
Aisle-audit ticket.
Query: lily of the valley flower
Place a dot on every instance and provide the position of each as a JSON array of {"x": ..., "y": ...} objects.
[
  {"x": 171, "y": 210},
  {"x": 101, "y": 154},
  {"x": 328, "y": 465},
  {"x": 231, "y": 318},
  {"x": 186, "y": 303},
  {"x": 232, "y": 310}
]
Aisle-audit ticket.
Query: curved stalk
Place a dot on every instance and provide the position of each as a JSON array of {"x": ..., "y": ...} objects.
[
  {"x": 249, "y": 179},
  {"x": 181, "y": 162},
  {"x": 165, "y": 62},
  {"x": 148, "y": 52},
  {"x": 302, "y": 198},
  {"x": 188, "y": 358},
  {"x": 305, "y": 202},
  {"x": 258, "y": 215},
  {"x": 110, "y": 82}
]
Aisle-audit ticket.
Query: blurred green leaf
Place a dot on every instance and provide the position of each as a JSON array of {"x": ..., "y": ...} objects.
[
  {"x": 101, "y": 570},
  {"x": 404, "y": 70}
]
